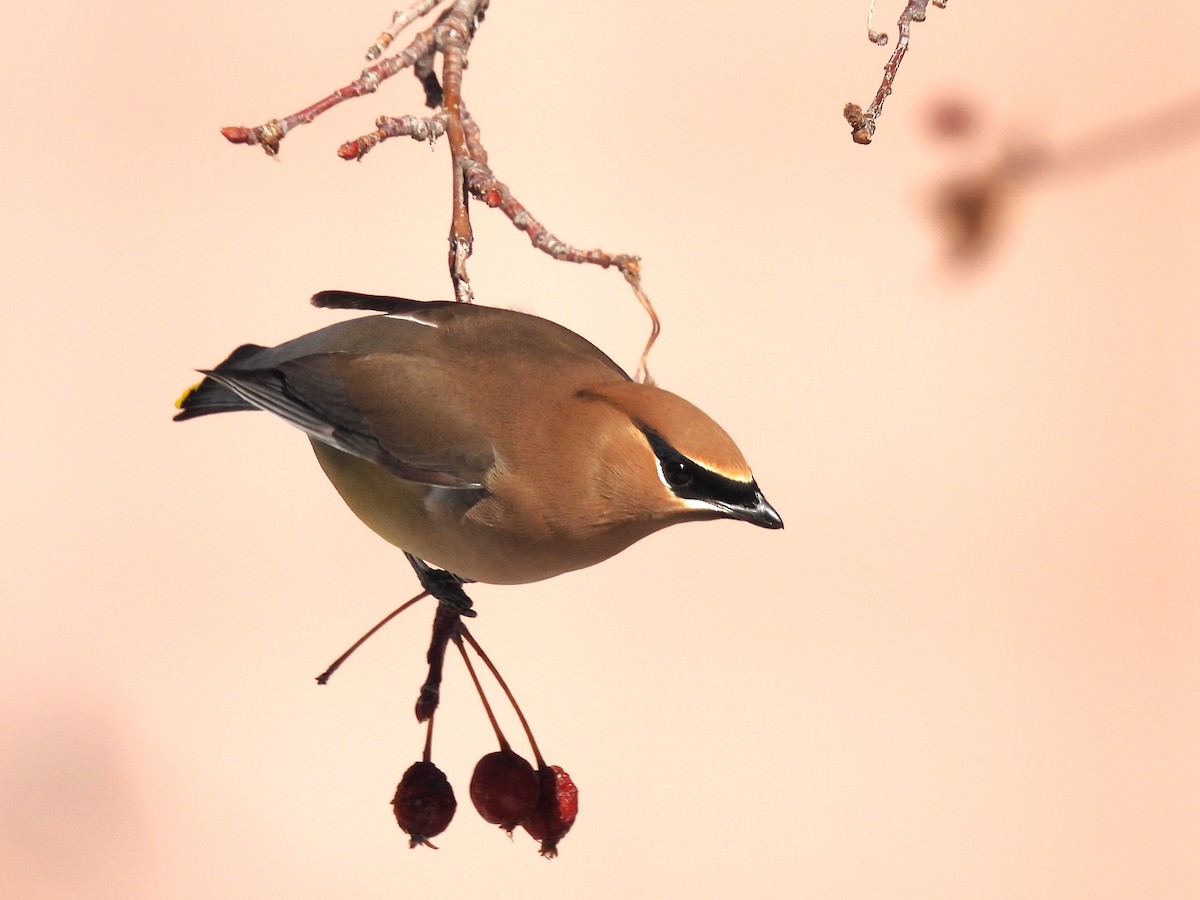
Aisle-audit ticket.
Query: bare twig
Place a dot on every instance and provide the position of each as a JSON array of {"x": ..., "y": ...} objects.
[
  {"x": 428, "y": 128},
  {"x": 633, "y": 275},
  {"x": 484, "y": 185},
  {"x": 878, "y": 38},
  {"x": 862, "y": 123},
  {"x": 455, "y": 39},
  {"x": 269, "y": 134},
  {"x": 450, "y": 36},
  {"x": 401, "y": 19}
]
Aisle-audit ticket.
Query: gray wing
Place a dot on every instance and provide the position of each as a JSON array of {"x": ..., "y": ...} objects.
[
  {"x": 386, "y": 388},
  {"x": 386, "y": 408}
]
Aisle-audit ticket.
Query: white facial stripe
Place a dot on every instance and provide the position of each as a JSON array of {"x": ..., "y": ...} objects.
[
  {"x": 409, "y": 317},
  {"x": 658, "y": 470},
  {"x": 692, "y": 503}
]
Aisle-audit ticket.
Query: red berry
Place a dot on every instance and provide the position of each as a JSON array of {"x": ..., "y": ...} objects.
[
  {"x": 558, "y": 805},
  {"x": 504, "y": 788},
  {"x": 424, "y": 803}
]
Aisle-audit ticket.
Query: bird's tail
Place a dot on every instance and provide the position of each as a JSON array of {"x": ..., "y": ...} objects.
[{"x": 207, "y": 396}]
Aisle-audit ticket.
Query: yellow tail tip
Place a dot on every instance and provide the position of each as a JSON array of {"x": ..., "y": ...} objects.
[{"x": 183, "y": 398}]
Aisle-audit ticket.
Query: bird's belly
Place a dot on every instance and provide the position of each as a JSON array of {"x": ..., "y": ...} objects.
[{"x": 432, "y": 523}]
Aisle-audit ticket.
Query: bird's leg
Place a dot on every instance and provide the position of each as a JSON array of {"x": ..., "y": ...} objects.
[{"x": 445, "y": 586}]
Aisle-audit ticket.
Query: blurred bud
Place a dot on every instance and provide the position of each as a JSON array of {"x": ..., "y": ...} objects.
[{"x": 953, "y": 119}]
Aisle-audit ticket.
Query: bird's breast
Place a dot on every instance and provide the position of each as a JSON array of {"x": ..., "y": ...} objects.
[{"x": 500, "y": 535}]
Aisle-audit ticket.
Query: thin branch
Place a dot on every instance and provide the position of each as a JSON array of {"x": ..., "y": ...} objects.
[
  {"x": 878, "y": 38},
  {"x": 1129, "y": 140},
  {"x": 456, "y": 38},
  {"x": 450, "y": 36},
  {"x": 484, "y": 185},
  {"x": 269, "y": 134},
  {"x": 401, "y": 19},
  {"x": 419, "y": 128},
  {"x": 633, "y": 274},
  {"x": 862, "y": 123}
]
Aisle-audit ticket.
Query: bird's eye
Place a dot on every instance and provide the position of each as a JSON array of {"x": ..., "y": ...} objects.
[{"x": 677, "y": 474}]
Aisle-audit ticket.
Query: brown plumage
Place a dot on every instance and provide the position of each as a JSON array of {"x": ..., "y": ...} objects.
[{"x": 493, "y": 444}]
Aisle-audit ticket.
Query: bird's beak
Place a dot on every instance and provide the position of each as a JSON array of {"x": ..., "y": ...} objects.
[{"x": 758, "y": 512}]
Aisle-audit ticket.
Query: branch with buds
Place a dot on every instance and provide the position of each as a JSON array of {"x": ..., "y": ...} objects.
[
  {"x": 862, "y": 122},
  {"x": 449, "y": 37}
]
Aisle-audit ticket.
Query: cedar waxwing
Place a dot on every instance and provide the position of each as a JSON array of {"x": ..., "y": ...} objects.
[{"x": 495, "y": 445}]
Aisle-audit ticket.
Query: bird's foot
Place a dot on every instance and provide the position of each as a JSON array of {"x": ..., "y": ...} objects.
[{"x": 445, "y": 586}]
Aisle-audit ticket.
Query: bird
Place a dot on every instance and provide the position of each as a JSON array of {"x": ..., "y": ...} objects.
[{"x": 489, "y": 445}]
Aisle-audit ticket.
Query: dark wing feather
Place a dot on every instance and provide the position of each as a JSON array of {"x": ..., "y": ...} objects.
[
  {"x": 365, "y": 302},
  {"x": 210, "y": 397}
]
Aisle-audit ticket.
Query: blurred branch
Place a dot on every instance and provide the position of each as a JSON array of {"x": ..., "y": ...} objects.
[
  {"x": 970, "y": 210},
  {"x": 449, "y": 37},
  {"x": 1129, "y": 140}
]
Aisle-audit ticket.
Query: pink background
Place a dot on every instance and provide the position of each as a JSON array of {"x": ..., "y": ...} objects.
[{"x": 970, "y": 665}]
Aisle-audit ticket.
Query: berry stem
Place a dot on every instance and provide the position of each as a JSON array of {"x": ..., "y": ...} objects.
[
  {"x": 446, "y": 624},
  {"x": 537, "y": 754},
  {"x": 487, "y": 707},
  {"x": 323, "y": 678},
  {"x": 428, "y": 752}
]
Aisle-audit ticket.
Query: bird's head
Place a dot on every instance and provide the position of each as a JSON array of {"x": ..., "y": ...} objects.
[{"x": 679, "y": 462}]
